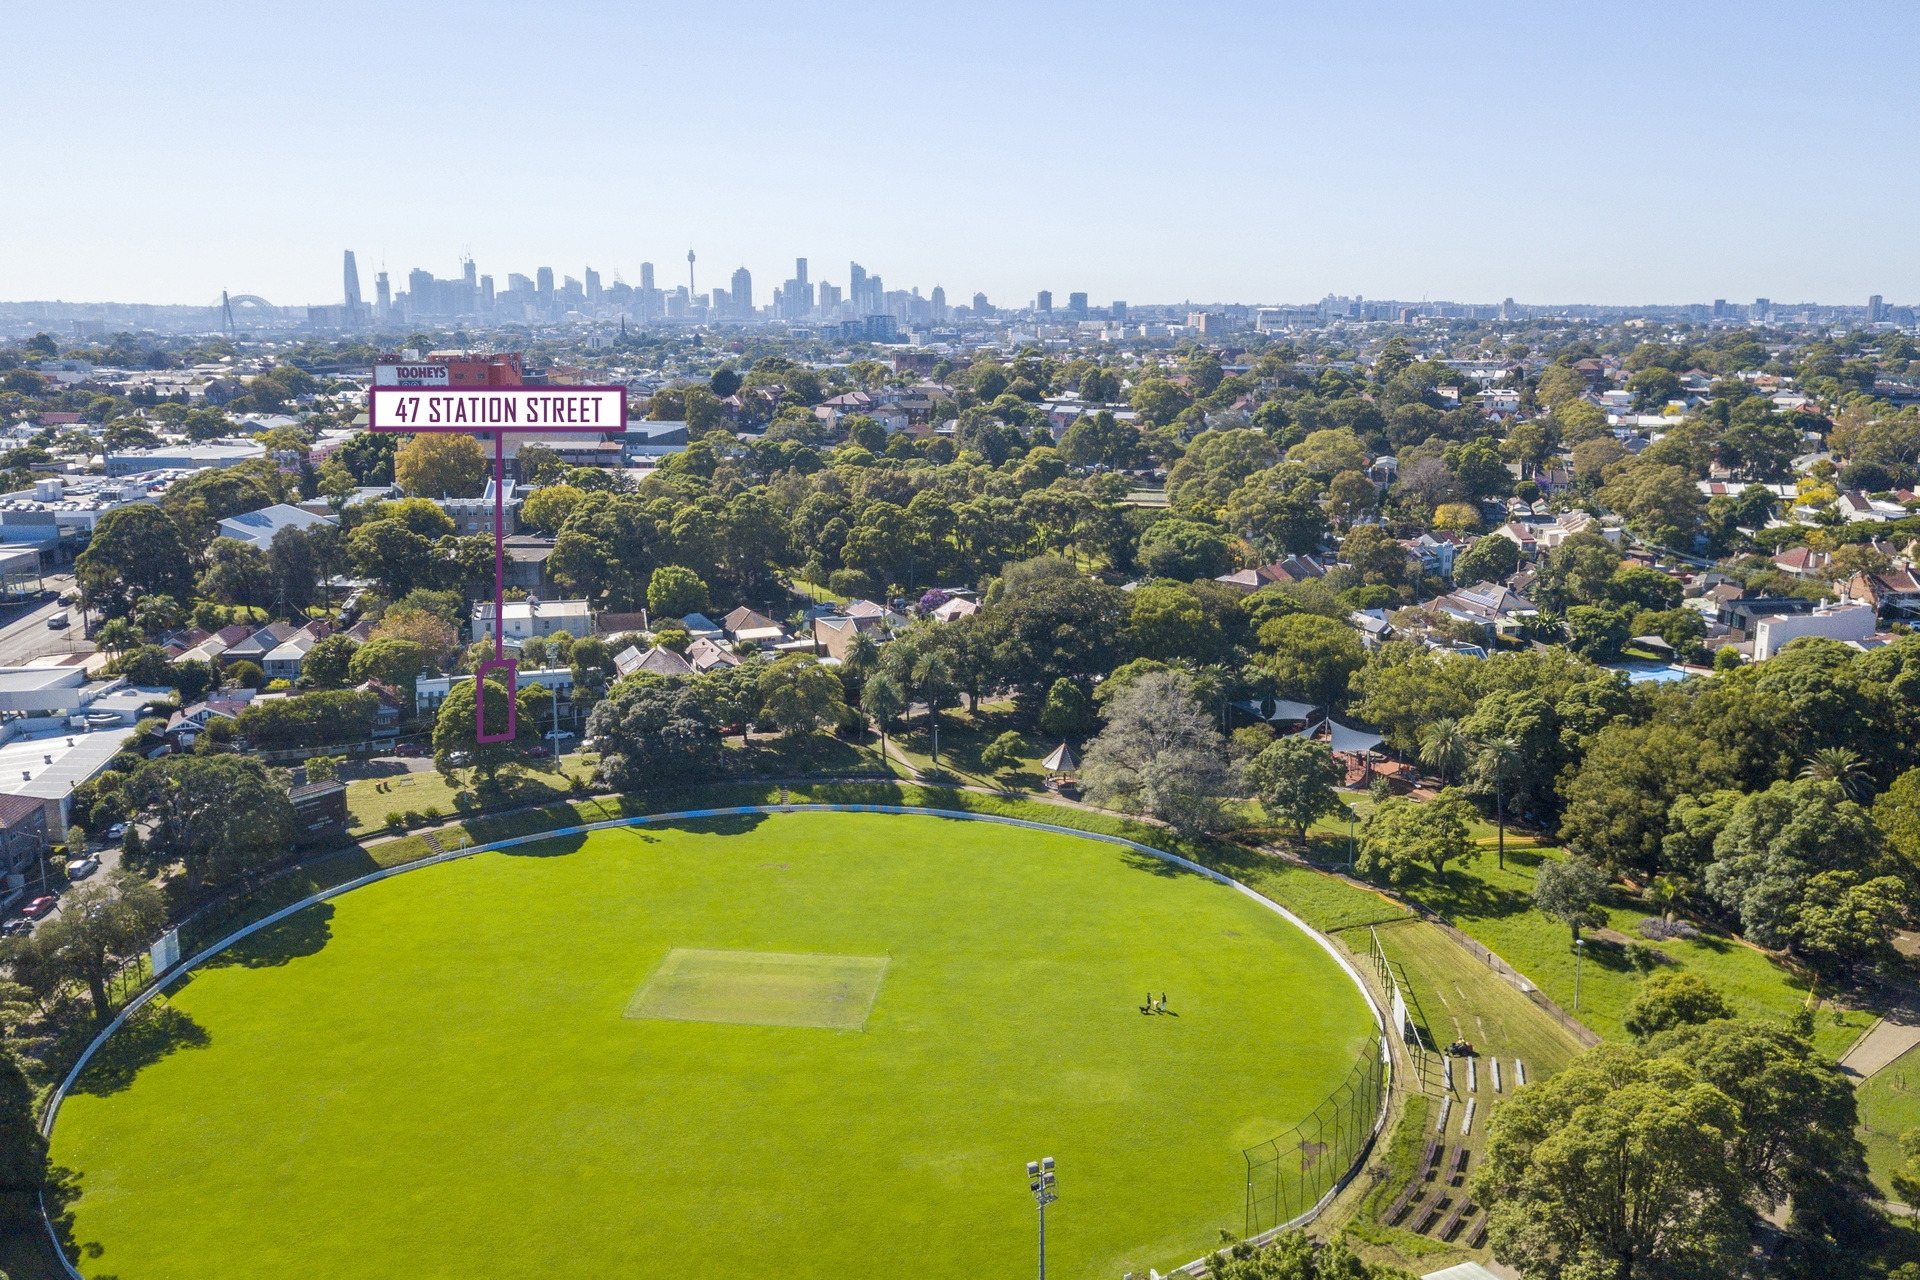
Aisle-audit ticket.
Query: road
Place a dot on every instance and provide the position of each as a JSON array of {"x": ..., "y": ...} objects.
[{"x": 23, "y": 628}]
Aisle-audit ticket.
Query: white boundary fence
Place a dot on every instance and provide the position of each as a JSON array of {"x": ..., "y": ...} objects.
[{"x": 1195, "y": 1268}]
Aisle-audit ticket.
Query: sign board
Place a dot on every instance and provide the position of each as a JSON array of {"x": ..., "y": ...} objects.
[
  {"x": 410, "y": 375},
  {"x": 166, "y": 952},
  {"x": 515, "y": 410}
]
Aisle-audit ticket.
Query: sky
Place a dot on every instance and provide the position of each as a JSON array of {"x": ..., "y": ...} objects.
[{"x": 1241, "y": 152}]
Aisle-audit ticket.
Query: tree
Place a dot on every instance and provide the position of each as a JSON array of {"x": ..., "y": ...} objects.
[
  {"x": 134, "y": 549},
  {"x": 1311, "y": 657},
  {"x": 1329, "y": 452},
  {"x": 328, "y": 662},
  {"x": 1293, "y": 1256},
  {"x": 1043, "y": 628},
  {"x": 1798, "y": 1119},
  {"x": 98, "y": 925},
  {"x": 883, "y": 701},
  {"x": 1375, "y": 555},
  {"x": 1444, "y": 748},
  {"x": 1500, "y": 758},
  {"x": 1490, "y": 559},
  {"x": 1566, "y": 890},
  {"x": 675, "y": 591},
  {"x": 1159, "y": 754},
  {"x": 1068, "y": 712},
  {"x": 23, "y": 1152},
  {"x": 1668, "y": 1000},
  {"x": 223, "y": 815},
  {"x": 1619, "y": 797},
  {"x": 1402, "y": 834},
  {"x": 1619, "y": 1166},
  {"x": 456, "y": 743},
  {"x": 1184, "y": 550},
  {"x": 1294, "y": 780},
  {"x": 798, "y": 695},
  {"x": 652, "y": 730},
  {"x": 324, "y": 718},
  {"x": 392, "y": 661},
  {"x": 1166, "y": 622},
  {"x": 1776, "y": 842},
  {"x": 1003, "y": 753},
  {"x": 1845, "y": 920},
  {"x": 1597, "y": 632},
  {"x": 441, "y": 465},
  {"x": 293, "y": 568},
  {"x": 1660, "y": 503},
  {"x": 393, "y": 555}
]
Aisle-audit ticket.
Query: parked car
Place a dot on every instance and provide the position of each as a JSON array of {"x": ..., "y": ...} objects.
[
  {"x": 537, "y": 753},
  {"x": 410, "y": 749},
  {"x": 15, "y": 927},
  {"x": 39, "y": 906},
  {"x": 58, "y": 622},
  {"x": 81, "y": 868},
  {"x": 118, "y": 831}
]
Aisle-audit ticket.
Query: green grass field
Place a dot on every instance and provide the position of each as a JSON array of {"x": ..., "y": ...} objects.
[
  {"x": 436, "y": 1075},
  {"x": 1889, "y": 1106},
  {"x": 1496, "y": 908}
]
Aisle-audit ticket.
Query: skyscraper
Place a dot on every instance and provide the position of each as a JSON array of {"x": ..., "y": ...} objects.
[
  {"x": 1045, "y": 303},
  {"x": 857, "y": 288},
  {"x": 352, "y": 273},
  {"x": 1876, "y": 309},
  {"x": 646, "y": 275},
  {"x": 593, "y": 287},
  {"x": 543, "y": 283},
  {"x": 1118, "y": 310},
  {"x": 939, "y": 304},
  {"x": 382, "y": 298},
  {"x": 981, "y": 307},
  {"x": 742, "y": 293},
  {"x": 1077, "y": 305}
]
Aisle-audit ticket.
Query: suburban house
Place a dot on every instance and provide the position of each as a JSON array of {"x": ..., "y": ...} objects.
[
  {"x": 389, "y": 708},
  {"x": 744, "y": 626},
  {"x": 660, "y": 661},
  {"x": 1498, "y": 610},
  {"x": 1835, "y": 622},
  {"x": 704, "y": 655},
  {"x": 1291, "y": 569},
  {"x": 24, "y": 838},
  {"x": 1802, "y": 562},
  {"x": 1895, "y": 591},
  {"x": 283, "y": 660},
  {"x": 524, "y": 619},
  {"x": 955, "y": 609},
  {"x": 185, "y": 726},
  {"x": 256, "y": 646}
]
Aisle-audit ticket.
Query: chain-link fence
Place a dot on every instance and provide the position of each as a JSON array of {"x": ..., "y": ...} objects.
[{"x": 1291, "y": 1174}]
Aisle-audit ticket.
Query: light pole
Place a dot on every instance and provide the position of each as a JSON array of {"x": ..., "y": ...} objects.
[
  {"x": 1579, "y": 954},
  {"x": 1040, "y": 1182}
]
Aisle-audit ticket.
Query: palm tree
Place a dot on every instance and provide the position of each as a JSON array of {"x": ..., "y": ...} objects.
[
  {"x": 1444, "y": 748},
  {"x": 1666, "y": 893},
  {"x": 1500, "y": 756},
  {"x": 933, "y": 678},
  {"x": 1838, "y": 764}
]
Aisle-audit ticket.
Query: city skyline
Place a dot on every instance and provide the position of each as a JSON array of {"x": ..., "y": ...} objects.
[{"x": 1487, "y": 152}]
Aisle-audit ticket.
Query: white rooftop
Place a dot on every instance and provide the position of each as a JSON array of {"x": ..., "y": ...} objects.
[{"x": 49, "y": 768}]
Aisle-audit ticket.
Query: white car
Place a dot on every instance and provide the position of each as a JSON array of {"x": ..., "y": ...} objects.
[{"x": 81, "y": 868}]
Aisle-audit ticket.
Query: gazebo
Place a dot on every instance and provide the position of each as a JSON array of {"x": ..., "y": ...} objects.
[{"x": 1060, "y": 760}]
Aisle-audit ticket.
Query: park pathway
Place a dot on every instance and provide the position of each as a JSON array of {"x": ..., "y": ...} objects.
[{"x": 1897, "y": 1031}]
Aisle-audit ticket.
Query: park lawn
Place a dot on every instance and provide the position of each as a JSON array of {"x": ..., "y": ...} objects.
[
  {"x": 1889, "y": 1102},
  {"x": 1495, "y": 907},
  {"x": 362, "y": 1089},
  {"x": 370, "y": 800}
]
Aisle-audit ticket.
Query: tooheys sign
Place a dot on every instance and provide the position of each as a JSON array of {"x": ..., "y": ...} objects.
[
  {"x": 508, "y": 409},
  {"x": 410, "y": 375}
]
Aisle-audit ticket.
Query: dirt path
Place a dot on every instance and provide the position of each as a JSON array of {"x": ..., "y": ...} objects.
[{"x": 1897, "y": 1031}]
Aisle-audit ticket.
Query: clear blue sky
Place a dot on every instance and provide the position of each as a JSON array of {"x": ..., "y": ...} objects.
[{"x": 1153, "y": 152}]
